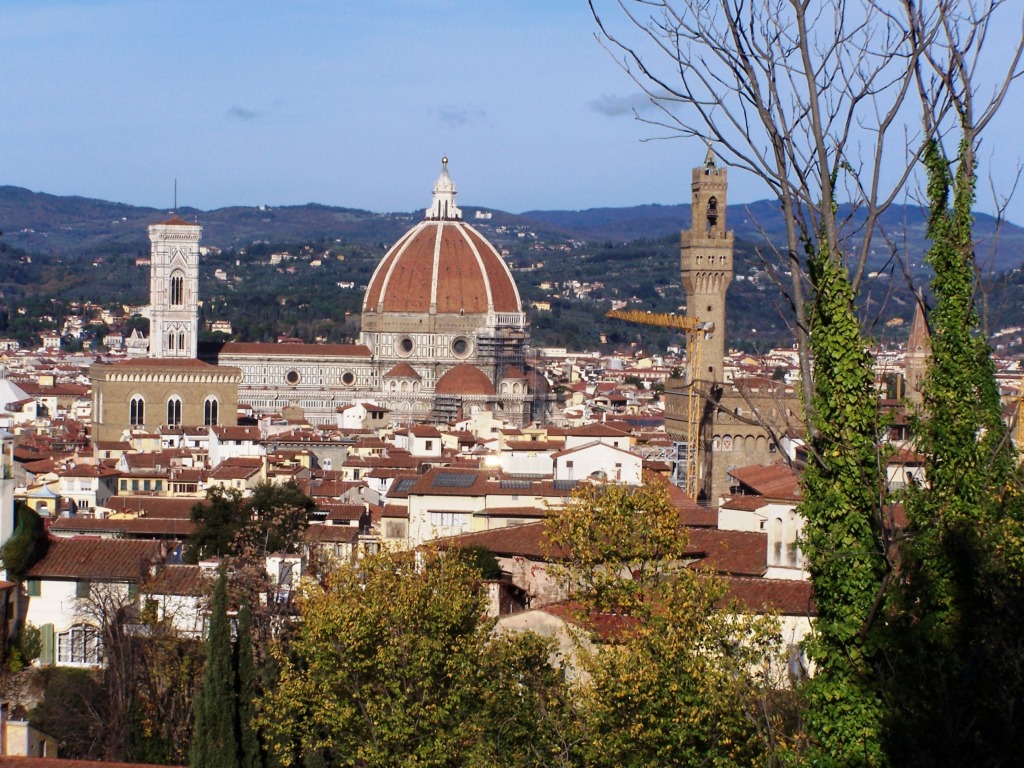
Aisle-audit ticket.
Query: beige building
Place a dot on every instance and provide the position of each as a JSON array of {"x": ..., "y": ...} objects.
[{"x": 148, "y": 393}]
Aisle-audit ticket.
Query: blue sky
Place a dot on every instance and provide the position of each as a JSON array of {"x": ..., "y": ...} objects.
[{"x": 331, "y": 101}]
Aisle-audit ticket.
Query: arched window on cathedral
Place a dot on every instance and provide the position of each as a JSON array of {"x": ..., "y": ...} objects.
[
  {"x": 174, "y": 411},
  {"x": 137, "y": 411},
  {"x": 170, "y": 341},
  {"x": 181, "y": 340},
  {"x": 210, "y": 411},
  {"x": 177, "y": 289}
]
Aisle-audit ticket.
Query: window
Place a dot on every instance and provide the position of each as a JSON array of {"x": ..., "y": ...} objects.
[
  {"x": 137, "y": 411},
  {"x": 446, "y": 519},
  {"x": 210, "y": 412},
  {"x": 82, "y": 589},
  {"x": 181, "y": 340},
  {"x": 170, "y": 341},
  {"x": 177, "y": 289},
  {"x": 428, "y": 445},
  {"x": 33, "y": 587},
  {"x": 78, "y": 645},
  {"x": 174, "y": 411}
]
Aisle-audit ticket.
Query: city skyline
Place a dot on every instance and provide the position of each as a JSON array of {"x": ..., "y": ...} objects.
[{"x": 341, "y": 104}]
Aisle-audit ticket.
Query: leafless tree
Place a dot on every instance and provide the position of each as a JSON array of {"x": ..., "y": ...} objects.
[
  {"x": 962, "y": 84},
  {"x": 149, "y": 671},
  {"x": 809, "y": 96}
]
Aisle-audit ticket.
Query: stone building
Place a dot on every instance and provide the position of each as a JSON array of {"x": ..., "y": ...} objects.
[
  {"x": 170, "y": 387},
  {"x": 740, "y": 421},
  {"x": 443, "y": 336}
]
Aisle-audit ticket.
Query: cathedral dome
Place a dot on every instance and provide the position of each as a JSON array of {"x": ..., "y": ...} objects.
[
  {"x": 442, "y": 266},
  {"x": 464, "y": 379}
]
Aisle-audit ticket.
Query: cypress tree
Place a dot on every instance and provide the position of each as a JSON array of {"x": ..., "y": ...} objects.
[
  {"x": 215, "y": 744},
  {"x": 248, "y": 737}
]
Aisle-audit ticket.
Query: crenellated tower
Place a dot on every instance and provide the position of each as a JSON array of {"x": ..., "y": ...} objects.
[{"x": 706, "y": 263}]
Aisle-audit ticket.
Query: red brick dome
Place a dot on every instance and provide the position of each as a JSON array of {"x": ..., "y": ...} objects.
[
  {"x": 447, "y": 264},
  {"x": 442, "y": 266},
  {"x": 464, "y": 379}
]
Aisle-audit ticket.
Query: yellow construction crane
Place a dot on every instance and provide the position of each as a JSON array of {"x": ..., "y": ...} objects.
[{"x": 696, "y": 331}]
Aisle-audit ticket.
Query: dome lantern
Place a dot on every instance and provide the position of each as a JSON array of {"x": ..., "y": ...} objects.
[{"x": 443, "y": 208}]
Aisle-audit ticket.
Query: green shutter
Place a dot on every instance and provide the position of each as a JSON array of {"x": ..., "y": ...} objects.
[{"x": 46, "y": 655}]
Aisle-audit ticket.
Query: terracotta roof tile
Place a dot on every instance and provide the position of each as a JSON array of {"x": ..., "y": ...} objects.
[
  {"x": 469, "y": 270},
  {"x": 784, "y": 596},
  {"x": 331, "y": 534},
  {"x": 97, "y": 559},
  {"x": 777, "y": 481},
  {"x": 402, "y": 371},
  {"x": 464, "y": 379},
  {"x": 156, "y": 506},
  {"x": 741, "y": 553},
  {"x": 186, "y": 580},
  {"x": 136, "y": 527}
]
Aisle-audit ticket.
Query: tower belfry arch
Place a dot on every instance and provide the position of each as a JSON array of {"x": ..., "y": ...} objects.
[{"x": 174, "y": 289}]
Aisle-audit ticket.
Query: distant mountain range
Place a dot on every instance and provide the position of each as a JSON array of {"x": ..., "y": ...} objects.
[
  {"x": 570, "y": 267},
  {"x": 42, "y": 223}
]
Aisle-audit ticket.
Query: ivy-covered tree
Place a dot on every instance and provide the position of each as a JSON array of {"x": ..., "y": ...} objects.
[
  {"x": 957, "y": 681},
  {"x": 843, "y": 535}
]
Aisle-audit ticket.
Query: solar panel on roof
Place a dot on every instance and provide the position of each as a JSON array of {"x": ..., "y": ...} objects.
[
  {"x": 564, "y": 485},
  {"x": 453, "y": 480},
  {"x": 516, "y": 485},
  {"x": 403, "y": 484}
]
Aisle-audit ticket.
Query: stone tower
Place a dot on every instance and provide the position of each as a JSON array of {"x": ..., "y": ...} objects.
[
  {"x": 174, "y": 289},
  {"x": 740, "y": 420},
  {"x": 919, "y": 349},
  {"x": 706, "y": 263}
]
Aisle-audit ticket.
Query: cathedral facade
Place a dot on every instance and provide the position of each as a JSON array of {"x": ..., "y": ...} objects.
[{"x": 443, "y": 335}]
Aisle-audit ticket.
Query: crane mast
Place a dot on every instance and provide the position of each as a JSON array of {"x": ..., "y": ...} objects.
[{"x": 686, "y": 469}]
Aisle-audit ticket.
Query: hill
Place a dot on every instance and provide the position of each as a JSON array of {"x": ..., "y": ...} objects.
[
  {"x": 57, "y": 252},
  {"x": 754, "y": 222}
]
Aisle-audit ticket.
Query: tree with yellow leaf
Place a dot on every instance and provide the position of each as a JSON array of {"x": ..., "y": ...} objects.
[
  {"x": 683, "y": 679},
  {"x": 394, "y": 664}
]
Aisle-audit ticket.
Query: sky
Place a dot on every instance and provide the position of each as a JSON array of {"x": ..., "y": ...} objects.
[{"x": 340, "y": 102}]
